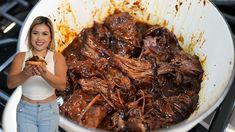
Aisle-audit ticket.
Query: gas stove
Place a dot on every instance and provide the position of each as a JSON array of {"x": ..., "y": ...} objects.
[{"x": 13, "y": 14}]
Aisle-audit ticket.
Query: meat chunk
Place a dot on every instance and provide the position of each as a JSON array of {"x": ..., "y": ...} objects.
[
  {"x": 124, "y": 35},
  {"x": 140, "y": 72}
]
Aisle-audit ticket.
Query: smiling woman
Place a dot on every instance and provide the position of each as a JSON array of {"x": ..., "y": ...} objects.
[{"x": 38, "y": 110}]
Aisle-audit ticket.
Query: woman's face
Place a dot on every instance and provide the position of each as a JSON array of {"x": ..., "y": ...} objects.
[{"x": 40, "y": 37}]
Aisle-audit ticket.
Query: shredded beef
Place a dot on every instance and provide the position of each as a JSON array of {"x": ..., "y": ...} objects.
[{"x": 126, "y": 75}]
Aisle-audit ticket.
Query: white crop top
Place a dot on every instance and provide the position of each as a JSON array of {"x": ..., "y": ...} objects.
[{"x": 35, "y": 87}]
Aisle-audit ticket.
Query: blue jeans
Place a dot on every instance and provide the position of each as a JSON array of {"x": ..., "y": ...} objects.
[{"x": 37, "y": 117}]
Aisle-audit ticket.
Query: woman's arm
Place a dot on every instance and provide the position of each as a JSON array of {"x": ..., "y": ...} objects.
[
  {"x": 57, "y": 80},
  {"x": 16, "y": 75}
]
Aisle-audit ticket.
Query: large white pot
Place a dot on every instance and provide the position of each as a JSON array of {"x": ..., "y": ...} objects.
[{"x": 197, "y": 23}]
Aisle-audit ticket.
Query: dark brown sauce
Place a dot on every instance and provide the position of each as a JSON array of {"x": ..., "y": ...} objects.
[{"x": 126, "y": 75}]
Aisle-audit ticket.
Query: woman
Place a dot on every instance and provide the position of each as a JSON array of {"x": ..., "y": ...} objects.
[{"x": 38, "y": 110}]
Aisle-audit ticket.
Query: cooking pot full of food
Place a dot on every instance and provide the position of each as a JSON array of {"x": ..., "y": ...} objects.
[{"x": 138, "y": 65}]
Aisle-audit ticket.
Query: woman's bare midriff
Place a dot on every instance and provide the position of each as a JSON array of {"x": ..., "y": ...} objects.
[{"x": 47, "y": 100}]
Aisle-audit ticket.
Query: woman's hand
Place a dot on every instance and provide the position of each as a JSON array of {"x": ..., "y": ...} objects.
[
  {"x": 40, "y": 70},
  {"x": 29, "y": 70}
]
